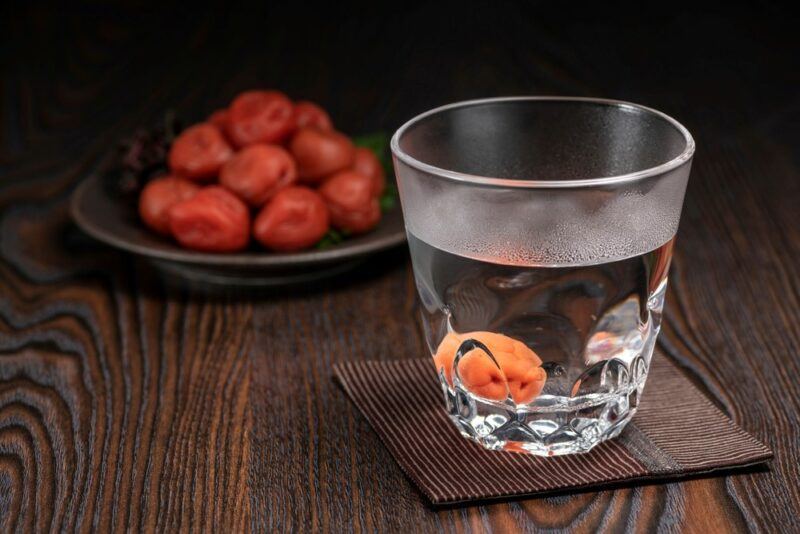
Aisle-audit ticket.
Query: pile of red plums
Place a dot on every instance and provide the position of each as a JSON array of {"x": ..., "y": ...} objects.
[{"x": 264, "y": 167}]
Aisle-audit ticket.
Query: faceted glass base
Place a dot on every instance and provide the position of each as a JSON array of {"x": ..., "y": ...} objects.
[{"x": 551, "y": 426}]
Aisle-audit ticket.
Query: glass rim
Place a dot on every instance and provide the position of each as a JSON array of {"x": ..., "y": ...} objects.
[{"x": 662, "y": 168}]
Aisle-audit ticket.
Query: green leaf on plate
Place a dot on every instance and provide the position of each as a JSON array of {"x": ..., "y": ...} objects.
[
  {"x": 331, "y": 238},
  {"x": 378, "y": 142}
]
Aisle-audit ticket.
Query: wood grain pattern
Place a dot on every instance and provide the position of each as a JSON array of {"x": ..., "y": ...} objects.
[
  {"x": 128, "y": 404},
  {"x": 123, "y": 408}
]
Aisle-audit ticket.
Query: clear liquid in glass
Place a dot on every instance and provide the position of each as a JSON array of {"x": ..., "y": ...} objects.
[{"x": 593, "y": 327}]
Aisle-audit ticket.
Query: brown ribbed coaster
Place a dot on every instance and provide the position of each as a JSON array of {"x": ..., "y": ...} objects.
[{"x": 676, "y": 432}]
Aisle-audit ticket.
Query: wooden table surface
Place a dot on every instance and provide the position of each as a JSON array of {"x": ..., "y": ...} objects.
[{"x": 127, "y": 403}]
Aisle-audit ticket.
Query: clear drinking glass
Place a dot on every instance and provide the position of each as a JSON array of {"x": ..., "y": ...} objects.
[{"x": 541, "y": 231}]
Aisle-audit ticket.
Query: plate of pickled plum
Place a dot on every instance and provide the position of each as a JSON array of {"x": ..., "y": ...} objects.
[{"x": 263, "y": 192}]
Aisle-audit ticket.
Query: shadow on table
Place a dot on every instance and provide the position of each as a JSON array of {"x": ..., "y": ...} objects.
[
  {"x": 361, "y": 273},
  {"x": 639, "y": 483}
]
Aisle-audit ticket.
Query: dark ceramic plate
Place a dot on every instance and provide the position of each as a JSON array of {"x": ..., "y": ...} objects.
[{"x": 115, "y": 222}]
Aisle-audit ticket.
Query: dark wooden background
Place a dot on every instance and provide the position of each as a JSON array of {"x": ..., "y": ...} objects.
[{"x": 126, "y": 403}]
